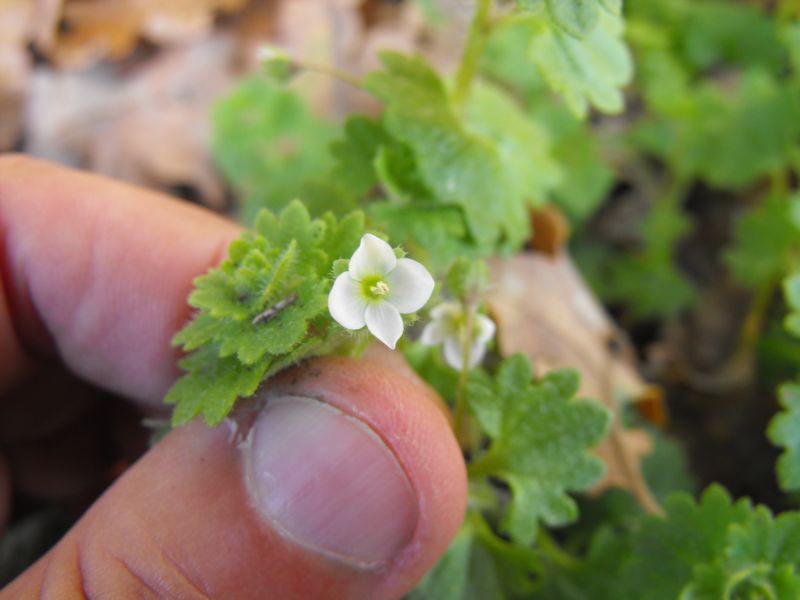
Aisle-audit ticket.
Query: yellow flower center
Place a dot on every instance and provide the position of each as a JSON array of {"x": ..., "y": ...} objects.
[
  {"x": 374, "y": 287},
  {"x": 381, "y": 288}
]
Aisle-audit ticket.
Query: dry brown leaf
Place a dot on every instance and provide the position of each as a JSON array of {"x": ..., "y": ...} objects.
[
  {"x": 111, "y": 29},
  {"x": 150, "y": 127},
  {"x": 404, "y": 28},
  {"x": 252, "y": 28},
  {"x": 636, "y": 444},
  {"x": 550, "y": 230},
  {"x": 146, "y": 120},
  {"x": 46, "y": 15},
  {"x": 15, "y": 66},
  {"x": 545, "y": 310},
  {"x": 319, "y": 32},
  {"x": 652, "y": 406},
  {"x": 348, "y": 36}
]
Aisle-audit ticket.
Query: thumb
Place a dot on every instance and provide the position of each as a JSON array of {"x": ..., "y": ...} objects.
[{"x": 345, "y": 483}]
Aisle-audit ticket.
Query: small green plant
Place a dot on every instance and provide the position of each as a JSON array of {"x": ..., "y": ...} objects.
[
  {"x": 449, "y": 171},
  {"x": 262, "y": 309}
]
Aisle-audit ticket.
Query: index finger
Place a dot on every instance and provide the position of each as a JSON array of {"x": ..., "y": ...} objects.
[{"x": 98, "y": 272}]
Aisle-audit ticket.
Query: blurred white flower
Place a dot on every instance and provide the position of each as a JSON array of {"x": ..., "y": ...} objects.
[
  {"x": 377, "y": 288},
  {"x": 448, "y": 327},
  {"x": 268, "y": 53}
]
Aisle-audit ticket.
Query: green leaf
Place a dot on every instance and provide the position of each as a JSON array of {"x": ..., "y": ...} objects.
[
  {"x": 467, "y": 279},
  {"x": 540, "y": 435},
  {"x": 435, "y": 233},
  {"x": 665, "y": 82},
  {"x": 596, "y": 577},
  {"x": 262, "y": 309},
  {"x": 428, "y": 363},
  {"x": 709, "y": 35},
  {"x": 667, "y": 550},
  {"x": 712, "y": 549},
  {"x": 212, "y": 386},
  {"x": 764, "y": 538},
  {"x": 613, "y": 6},
  {"x": 522, "y": 144},
  {"x": 463, "y": 573},
  {"x": 639, "y": 277},
  {"x": 281, "y": 333},
  {"x": 763, "y": 241},
  {"x": 577, "y": 17},
  {"x": 399, "y": 176},
  {"x": 585, "y": 71},
  {"x": 712, "y": 34},
  {"x": 340, "y": 238},
  {"x": 666, "y": 468},
  {"x": 501, "y": 62},
  {"x": 784, "y": 431},
  {"x": 791, "y": 39},
  {"x": 478, "y": 566},
  {"x": 271, "y": 148},
  {"x": 354, "y": 154},
  {"x": 587, "y": 177},
  {"x": 760, "y": 561},
  {"x": 791, "y": 292},
  {"x": 728, "y": 136},
  {"x": 713, "y": 582},
  {"x": 581, "y": 177},
  {"x": 531, "y": 5},
  {"x": 459, "y": 167}
]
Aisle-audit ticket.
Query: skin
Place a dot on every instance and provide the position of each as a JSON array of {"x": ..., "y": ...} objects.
[{"x": 95, "y": 276}]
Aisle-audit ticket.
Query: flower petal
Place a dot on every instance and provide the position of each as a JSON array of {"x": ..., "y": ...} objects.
[
  {"x": 434, "y": 332},
  {"x": 384, "y": 322},
  {"x": 373, "y": 257},
  {"x": 476, "y": 353},
  {"x": 345, "y": 303},
  {"x": 410, "y": 285},
  {"x": 484, "y": 329},
  {"x": 453, "y": 353},
  {"x": 483, "y": 333},
  {"x": 449, "y": 310}
]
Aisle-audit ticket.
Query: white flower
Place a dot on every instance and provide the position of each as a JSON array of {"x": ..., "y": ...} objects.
[
  {"x": 448, "y": 327},
  {"x": 377, "y": 288}
]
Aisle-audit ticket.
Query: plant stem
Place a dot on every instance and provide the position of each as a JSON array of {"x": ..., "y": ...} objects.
[
  {"x": 787, "y": 10},
  {"x": 482, "y": 466},
  {"x": 476, "y": 39},
  {"x": 779, "y": 182},
  {"x": 328, "y": 70},
  {"x": 461, "y": 391},
  {"x": 461, "y": 401},
  {"x": 627, "y": 462},
  {"x": 553, "y": 551},
  {"x": 754, "y": 321},
  {"x": 467, "y": 335}
]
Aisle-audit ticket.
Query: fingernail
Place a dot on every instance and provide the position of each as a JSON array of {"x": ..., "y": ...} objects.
[{"x": 325, "y": 479}]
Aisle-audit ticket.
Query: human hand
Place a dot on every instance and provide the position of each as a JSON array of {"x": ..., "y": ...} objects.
[{"x": 352, "y": 492}]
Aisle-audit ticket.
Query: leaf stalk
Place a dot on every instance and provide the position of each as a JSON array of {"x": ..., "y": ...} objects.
[{"x": 470, "y": 58}]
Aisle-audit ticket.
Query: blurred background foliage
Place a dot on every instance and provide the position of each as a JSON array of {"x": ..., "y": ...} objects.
[
  {"x": 681, "y": 206},
  {"x": 661, "y": 157}
]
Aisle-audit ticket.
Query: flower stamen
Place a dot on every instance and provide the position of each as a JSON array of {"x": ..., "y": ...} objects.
[{"x": 381, "y": 288}]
